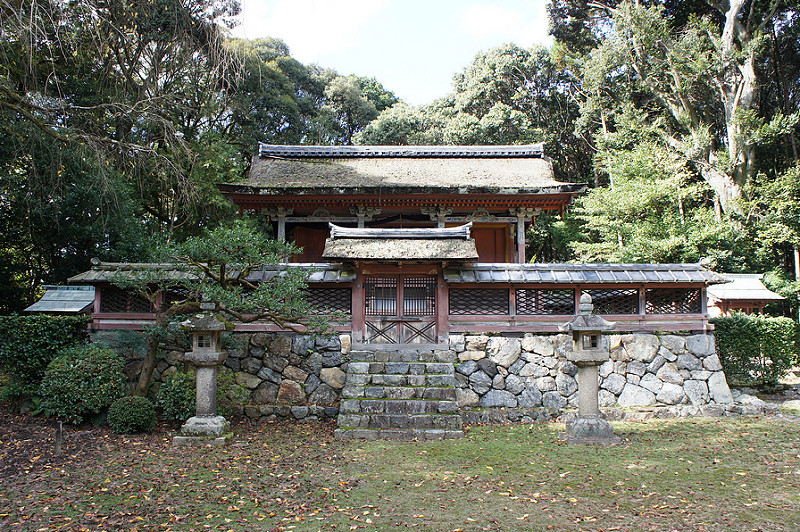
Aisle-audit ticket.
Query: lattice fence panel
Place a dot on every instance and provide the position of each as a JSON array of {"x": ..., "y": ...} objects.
[
  {"x": 337, "y": 299},
  {"x": 478, "y": 301},
  {"x": 615, "y": 301},
  {"x": 113, "y": 299},
  {"x": 380, "y": 296},
  {"x": 673, "y": 301},
  {"x": 535, "y": 301},
  {"x": 419, "y": 296}
]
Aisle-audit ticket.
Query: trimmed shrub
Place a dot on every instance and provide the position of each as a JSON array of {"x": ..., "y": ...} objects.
[
  {"x": 81, "y": 383},
  {"x": 29, "y": 343},
  {"x": 132, "y": 414},
  {"x": 756, "y": 349},
  {"x": 177, "y": 396}
]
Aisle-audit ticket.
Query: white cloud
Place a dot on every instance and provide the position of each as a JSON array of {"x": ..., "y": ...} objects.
[
  {"x": 491, "y": 22},
  {"x": 311, "y": 28}
]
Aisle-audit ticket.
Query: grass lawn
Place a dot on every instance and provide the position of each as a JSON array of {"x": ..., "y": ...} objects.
[{"x": 703, "y": 474}]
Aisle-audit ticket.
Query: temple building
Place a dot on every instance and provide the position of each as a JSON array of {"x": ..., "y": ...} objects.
[{"x": 416, "y": 243}]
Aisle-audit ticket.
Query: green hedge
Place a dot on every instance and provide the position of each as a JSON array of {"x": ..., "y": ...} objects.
[
  {"x": 29, "y": 343},
  {"x": 756, "y": 349},
  {"x": 82, "y": 383}
]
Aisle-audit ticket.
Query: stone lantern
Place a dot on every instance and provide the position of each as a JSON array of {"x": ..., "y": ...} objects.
[
  {"x": 589, "y": 351},
  {"x": 205, "y": 426}
]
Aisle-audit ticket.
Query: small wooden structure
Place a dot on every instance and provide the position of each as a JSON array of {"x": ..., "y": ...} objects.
[{"x": 741, "y": 292}]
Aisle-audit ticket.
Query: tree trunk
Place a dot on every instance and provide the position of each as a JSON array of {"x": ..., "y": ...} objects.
[
  {"x": 727, "y": 191},
  {"x": 737, "y": 88},
  {"x": 148, "y": 366}
]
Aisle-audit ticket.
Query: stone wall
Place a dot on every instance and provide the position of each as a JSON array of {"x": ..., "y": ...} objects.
[
  {"x": 287, "y": 375},
  {"x": 498, "y": 378},
  {"x": 531, "y": 375}
]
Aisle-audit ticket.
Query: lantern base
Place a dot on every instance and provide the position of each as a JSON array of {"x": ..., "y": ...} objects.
[
  {"x": 206, "y": 427},
  {"x": 197, "y": 441},
  {"x": 590, "y": 429}
]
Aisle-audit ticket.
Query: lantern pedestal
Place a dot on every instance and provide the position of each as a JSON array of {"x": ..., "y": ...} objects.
[{"x": 589, "y": 426}]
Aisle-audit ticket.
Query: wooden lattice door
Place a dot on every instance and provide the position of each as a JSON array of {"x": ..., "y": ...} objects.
[{"x": 400, "y": 309}]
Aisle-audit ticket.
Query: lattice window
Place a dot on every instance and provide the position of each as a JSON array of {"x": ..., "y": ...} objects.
[
  {"x": 419, "y": 296},
  {"x": 178, "y": 294},
  {"x": 615, "y": 301},
  {"x": 337, "y": 299},
  {"x": 478, "y": 301},
  {"x": 535, "y": 301},
  {"x": 673, "y": 301},
  {"x": 380, "y": 296},
  {"x": 113, "y": 299}
]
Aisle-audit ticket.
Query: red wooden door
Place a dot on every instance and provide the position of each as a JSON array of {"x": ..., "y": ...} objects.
[{"x": 400, "y": 309}]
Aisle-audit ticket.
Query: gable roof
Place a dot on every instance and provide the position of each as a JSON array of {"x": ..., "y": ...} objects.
[
  {"x": 462, "y": 169},
  {"x": 66, "y": 299},
  {"x": 743, "y": 286}
]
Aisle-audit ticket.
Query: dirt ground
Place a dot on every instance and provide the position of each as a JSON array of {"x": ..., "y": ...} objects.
[{"x": 27, "y": 443}]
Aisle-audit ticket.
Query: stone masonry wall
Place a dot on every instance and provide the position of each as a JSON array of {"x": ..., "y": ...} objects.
[
  {"x": 287, "y": 375},
  {"x": 498, "y": 378},
  {"x": 532, "y": 376}
]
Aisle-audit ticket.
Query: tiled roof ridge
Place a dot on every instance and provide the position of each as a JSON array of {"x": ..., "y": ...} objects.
[
  {"x": 617, "y": 266},
  {"x": 482, "y": 151}
]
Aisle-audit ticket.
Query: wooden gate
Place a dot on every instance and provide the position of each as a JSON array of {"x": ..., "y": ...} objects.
[{"x": 400, "y": 309}]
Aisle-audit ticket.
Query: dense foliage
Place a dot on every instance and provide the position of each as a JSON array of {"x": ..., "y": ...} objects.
[
  {"x": 176, "y": 397},
  {"x": 82, "y": 383},
  {"x": 756, "y": 349},
  {"x": 116, "y": 131},
  {"x": 30, "y": 343},
  {"x": 132, "y": 414}
]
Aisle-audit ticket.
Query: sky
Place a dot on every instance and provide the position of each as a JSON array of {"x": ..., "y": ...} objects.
[{"x": 412, "y": 47}]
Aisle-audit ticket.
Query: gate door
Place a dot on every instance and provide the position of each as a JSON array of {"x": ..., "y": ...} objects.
[{"x": 400, "y": 309}]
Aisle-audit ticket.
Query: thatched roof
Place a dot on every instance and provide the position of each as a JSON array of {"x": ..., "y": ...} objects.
[
  {"x": 398, "y": 244},
  {"x": 457, "y": 168},
  {"x": 109, "y": 272},
  {"x": 397, "y": 249}
]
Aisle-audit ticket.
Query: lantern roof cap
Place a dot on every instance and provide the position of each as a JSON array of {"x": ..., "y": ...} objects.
[
  {"x": 206, "y": 321},
  {"x": 586, "y": 320}
]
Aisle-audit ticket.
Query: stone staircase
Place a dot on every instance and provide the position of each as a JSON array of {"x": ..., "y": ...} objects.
[{"x": 399, "y": 395}]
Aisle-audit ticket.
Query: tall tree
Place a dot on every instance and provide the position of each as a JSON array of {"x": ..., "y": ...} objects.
[
  {"x": 699, "y": 81},
  {"x": 134, "y": 85},
  {"x": 352, "y": 103},
  {"x": 110, "y": 114}
]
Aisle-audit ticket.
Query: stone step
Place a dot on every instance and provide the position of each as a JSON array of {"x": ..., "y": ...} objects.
[
  {"x": 426, "y": 380},
  {"x": 400, "y": 421},
  {"x": 353, "y": 406},
  {"x": 401, "y": 435},
  {"x": 401, "y": 356},
  {"x": 400, "y": 368},
  {"x": 399, "y": 395}
]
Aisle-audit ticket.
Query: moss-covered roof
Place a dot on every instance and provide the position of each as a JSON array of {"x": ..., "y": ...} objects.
[{"x": 458, "y": 168}]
